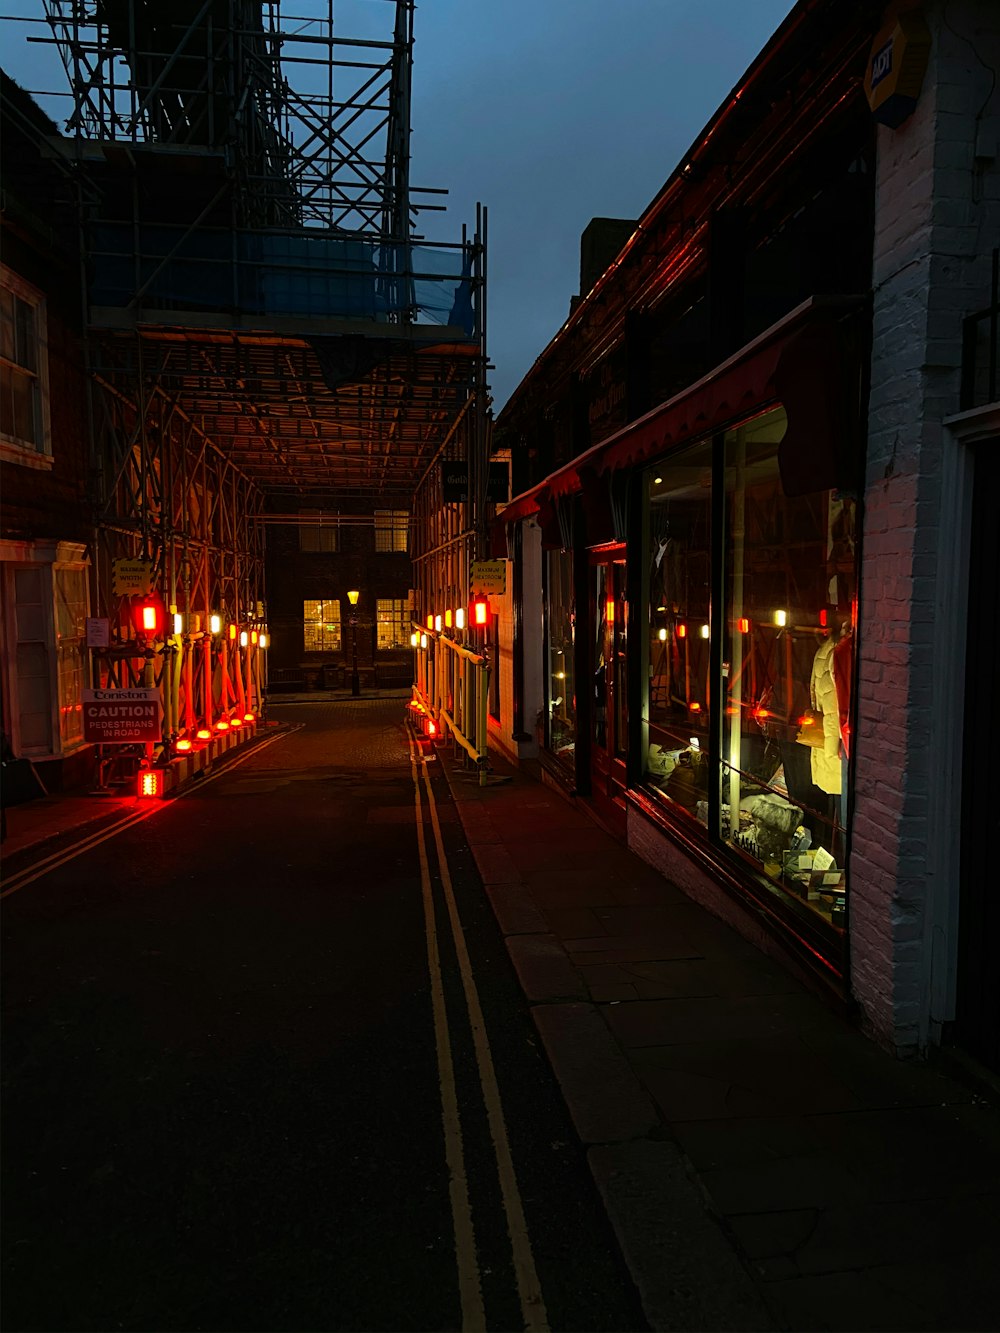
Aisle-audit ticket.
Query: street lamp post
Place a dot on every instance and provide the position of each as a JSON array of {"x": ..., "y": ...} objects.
[{"x": 352, "y": 597}]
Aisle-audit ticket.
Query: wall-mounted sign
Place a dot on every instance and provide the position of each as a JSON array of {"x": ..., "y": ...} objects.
[
  {"x": 98, "y": 631},
  {"x": 605, "y": 395},
  {"x": 897, "y": 63},
  {"x": 133, "y": 578},
  {"x": 121, "y": 717},
  {"x": 455, "y": 483},
  {"x": 488, "y": 576}
]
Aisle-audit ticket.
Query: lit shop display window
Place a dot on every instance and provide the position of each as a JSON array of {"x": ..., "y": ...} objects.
[
  {"x": 779, "y": 750},
  {"x": 680, "y": 582},
  {"x": 560, "y": 700}
]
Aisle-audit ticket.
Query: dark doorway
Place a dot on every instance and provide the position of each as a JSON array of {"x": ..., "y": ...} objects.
[{"x": 977, "y": 1020}]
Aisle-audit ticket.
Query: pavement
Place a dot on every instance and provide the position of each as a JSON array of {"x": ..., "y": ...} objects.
[{"x": 764, "y": 1165}]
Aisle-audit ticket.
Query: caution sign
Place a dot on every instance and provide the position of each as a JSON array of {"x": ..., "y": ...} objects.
[
  {"x": 121, "y": 717},
  {"x": 489, "y": 576},
  {"x": 133, "y": 578}
]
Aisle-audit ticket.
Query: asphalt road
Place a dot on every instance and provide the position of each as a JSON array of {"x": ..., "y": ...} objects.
[{"x": 227, "y": 1086}]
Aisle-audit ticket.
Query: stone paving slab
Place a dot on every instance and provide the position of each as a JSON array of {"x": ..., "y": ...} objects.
[
  {"x": 515, "y": 910},
  {"x": 495, "y": 864},
  {"x": 734, "y": 1079},
  {"x": 604, "y": 1097},
  {"x": 544, "y": 971},
  {"x": 687, "y": 1273}
]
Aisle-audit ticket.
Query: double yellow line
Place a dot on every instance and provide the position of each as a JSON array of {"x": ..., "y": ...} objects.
[
  {"x": 39, "y": 868},
  {"x": 470, "y": 1290}
]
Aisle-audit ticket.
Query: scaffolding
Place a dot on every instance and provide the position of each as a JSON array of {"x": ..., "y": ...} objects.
[{"x": 261, "y": 318}]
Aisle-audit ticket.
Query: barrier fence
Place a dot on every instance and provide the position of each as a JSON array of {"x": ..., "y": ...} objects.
[{"x": 451, "y": 691}]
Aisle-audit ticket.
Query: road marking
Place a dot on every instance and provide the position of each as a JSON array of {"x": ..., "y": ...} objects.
[
  {"x": 57, "y": 859},
  {"x": 469, "y": 1289},
  {"x": 528, "y": 1286}
]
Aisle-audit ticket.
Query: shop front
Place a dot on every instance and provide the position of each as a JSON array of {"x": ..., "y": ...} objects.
[
  {"x": 699, "y": 638},
  {"x": 750, "y": 600}
]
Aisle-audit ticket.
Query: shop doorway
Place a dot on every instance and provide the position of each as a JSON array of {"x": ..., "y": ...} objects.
[
  {"x": 977, "y": 1019},
  {"x": 609, "y": 720}
]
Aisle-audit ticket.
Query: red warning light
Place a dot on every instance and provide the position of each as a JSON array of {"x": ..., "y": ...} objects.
[
  {"x": 148, "y": 617},
  {"x": 480, "y": 611},
  {"x": 150, "y": 783},
  {"x": 682, "y": 631}
]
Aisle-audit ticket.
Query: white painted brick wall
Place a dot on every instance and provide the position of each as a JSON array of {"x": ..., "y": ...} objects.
[{"x": 937, "y": 219}]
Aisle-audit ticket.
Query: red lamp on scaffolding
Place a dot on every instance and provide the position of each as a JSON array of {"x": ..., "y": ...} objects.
[{"x": 352, "y": 597}]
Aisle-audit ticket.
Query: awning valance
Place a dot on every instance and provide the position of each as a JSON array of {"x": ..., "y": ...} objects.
[{"x": 810, "y": 361}]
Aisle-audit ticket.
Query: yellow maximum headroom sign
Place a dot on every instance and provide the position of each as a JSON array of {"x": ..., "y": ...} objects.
[{"x": 488, "y": 577}]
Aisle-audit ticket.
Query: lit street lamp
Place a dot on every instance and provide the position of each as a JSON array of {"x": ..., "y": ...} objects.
[{"x": 352, "y": 597}]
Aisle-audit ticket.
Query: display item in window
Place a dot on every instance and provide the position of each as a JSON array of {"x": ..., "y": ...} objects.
[{"x": 825, "y": 759}]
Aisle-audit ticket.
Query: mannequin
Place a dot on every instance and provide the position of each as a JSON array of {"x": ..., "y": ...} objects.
[{"x": 825, "y": 759}]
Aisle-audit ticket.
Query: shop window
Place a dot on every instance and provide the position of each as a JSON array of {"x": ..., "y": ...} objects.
[
  {"x": 770, "y": 739},
  {"x": 391, "y": 529},
  {"x": 320, "y": 534},
  {"x": 787, "y": 668},
  {"x": 560, "y": 699},
  {"x": 321, "y": 626},
  {"x": 32, "y": 627},
  {"x": 679, "y": 497},
  {"x": 50, "y": 659},
  {"x": 393, "y": 617},
  {"x": 71, "y": 652},
  {"x": 24, "y": 403}
]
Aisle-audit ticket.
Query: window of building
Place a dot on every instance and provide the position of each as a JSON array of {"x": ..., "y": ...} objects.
[
  {"x": 391, "y": 529},
  {"x": 393, "y": 617},
  {"x": 757, "y": 753},
  {"x": 47, "y": 615},
  {"x": 788, "y": 655},
  {"x": 560, "y": 634},
  {"x": 680, "y": 561},
  {"x": 321, "y": 626},
  {"x": 24, "y": 404},
  {"x": 70, "y": 587},
  {"x": 319, "y": 532}
]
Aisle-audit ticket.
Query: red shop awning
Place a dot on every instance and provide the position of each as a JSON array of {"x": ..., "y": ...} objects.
[{"x": 809, "y": 361}]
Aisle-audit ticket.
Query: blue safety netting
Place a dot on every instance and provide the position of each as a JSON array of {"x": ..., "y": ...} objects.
[{"x": 281, "y": 274}]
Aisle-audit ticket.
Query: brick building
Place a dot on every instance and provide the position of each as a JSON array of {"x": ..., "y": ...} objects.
[
  {"x": 314, "y": 559},
  {"x": 751, "y": 474},
  {"x": 45, "y": 525}
]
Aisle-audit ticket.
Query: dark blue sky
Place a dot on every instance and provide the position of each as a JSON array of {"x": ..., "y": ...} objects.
[
  {"x": 550, "y": 112},
  {"x": 556, "y": 111}
]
